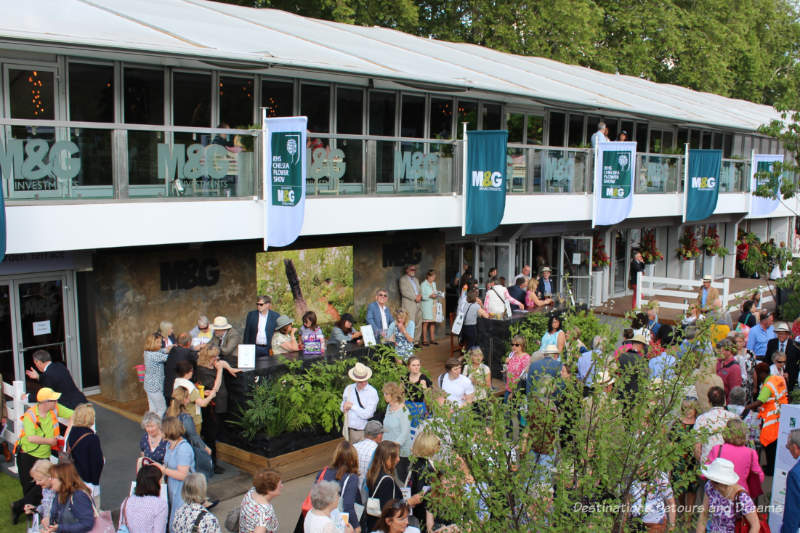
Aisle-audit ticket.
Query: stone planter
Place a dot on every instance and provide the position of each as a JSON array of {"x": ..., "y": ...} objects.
[
  {"x": 687, "y": 272},
  {"x": 650, "y": 269},
  {"x": 598, "y": 282},
  {"x": 606, "y": 280}
]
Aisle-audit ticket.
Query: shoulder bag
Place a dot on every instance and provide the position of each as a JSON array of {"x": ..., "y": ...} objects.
[
  {"x": 505, "y": 302},
  {"x": 123, "y": 520},
  {"x": 197, "y": 520},
  {"x": 66, "y": 456},
  {"x": 373, "y": 503},
  {"x": 306, "y": 507},
  {"x": 232, "y": 519},
  {"x": 359, "y": 509},
  {"x": 102, "y": 520},
  {"x": 458, "y": 322},
  {"x": 741, "y": 525}
]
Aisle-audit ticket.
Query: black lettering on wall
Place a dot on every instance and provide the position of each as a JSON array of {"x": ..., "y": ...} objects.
[
  {"x": 187, "y": 274},
  {"x": 398, "y": 254}
]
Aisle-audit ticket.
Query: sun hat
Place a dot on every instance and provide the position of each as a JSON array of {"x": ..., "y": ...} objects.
[
  {"x": 46, "y": 394},
  {"x": 551, "y": 349},
  {"x": 221, "y": 322},
  {"x": 640, "y": 339},
  {"x": 782, "y": 326},
  {"x": 546, "y": 269},
  {"x": 283, "y": 320},
  {"x": 720, "y": 470},
  {"x": 347, "y": 317},
  {"x": 604, "y": 379},
  {"x": 708, "y": 277},
  {"x": 360, "y": 372}
]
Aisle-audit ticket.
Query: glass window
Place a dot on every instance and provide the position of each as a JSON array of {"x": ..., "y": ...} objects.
[
  {"x": 591, "y": 126},
  {"x": 641, "y": 137},
  {"x": 31, "y": 94},
  {"x": 627, "y": 127},
  {"x": 144, "y": 96},
  {"x": 666, "y": 141},
  {"x": 413, "y": 116},
  {"x": 575, "y": 130},
  {"x": 467, "y": 112},
  {"x": 191, "y": 99},
  {"x": 236, "y": 101},
  {"x": 441, "y": 118},
  {"x": 535, "y": 130},
  {"x": 694, "y": 139},
  {"x": 315, "y": 103},
  {"x": 706, "y": 140},
  {"x": 717, "y": 143},
  {"x": 278, "y": 98},
  {"x": 491, "y": 116},
  {"x": 514, "y": 124},
  {"x": 612, "y": 130},
  {"x": 350, "y": 111},
  {"x": 727, "y": 145},
  {"x": 655, "y": 142},
  {"x": 91, "y": 93},
  {"x": 382, "y": 113},
  {"x": 556, "y": 133}
]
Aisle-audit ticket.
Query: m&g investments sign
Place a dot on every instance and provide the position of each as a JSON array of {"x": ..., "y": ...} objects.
[
  {"x": 287, "y": 171},
  {"x": 614, "y": 169},
  {"x": 37, "y": 165}
]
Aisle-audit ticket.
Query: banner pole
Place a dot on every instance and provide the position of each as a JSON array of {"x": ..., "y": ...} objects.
[
  {"x": 685, "y": 181},
  {"x": 265, "y": 182},
  {"x": 464, "y": 183}
]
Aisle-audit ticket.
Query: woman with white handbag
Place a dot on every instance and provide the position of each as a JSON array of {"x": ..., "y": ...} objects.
[{"x": 381, "y": 484}]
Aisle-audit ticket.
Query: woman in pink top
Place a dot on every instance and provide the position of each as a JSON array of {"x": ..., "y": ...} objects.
[
  {"x": 744, "y": 459},
  {"x": 516, "y": 364}
]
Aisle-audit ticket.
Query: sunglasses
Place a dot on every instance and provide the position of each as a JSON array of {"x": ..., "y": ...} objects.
[
  {"x": 515, "y": 344},
  {"x": 780, "y": 362},
  {"x": 259, "y": 304},
  {"x": 383, "y": 295}
]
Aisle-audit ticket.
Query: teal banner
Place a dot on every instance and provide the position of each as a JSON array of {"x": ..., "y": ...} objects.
[
  {"x": 702, "y": 188},
  {"x": 486, "y": 181}
]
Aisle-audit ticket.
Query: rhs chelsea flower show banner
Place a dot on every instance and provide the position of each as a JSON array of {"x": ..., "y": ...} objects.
[
  {"x": 702, "y": 183},
  {"x": 763, "y": 164},
  {"x": 284, "y": 178},
  {"x": 485, "y": 181},
  {"x": 614, "y": 169}
]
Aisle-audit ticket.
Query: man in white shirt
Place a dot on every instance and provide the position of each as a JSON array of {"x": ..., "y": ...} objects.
[
  {"x": 373, "y": 434},
  {"x": 359, "y": 401},
  {"x": 712, "y": 423},
  {"x": 601, "y": 135},
  {"x": 260, "y": 325},
  {"x": 526, "y": 274}
]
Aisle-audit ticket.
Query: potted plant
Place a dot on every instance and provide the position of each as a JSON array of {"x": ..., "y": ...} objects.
[
  {"x": 712, "y": 249},
  {"x": 649, "y": 251},
  {"x": 687, "y": 251}
]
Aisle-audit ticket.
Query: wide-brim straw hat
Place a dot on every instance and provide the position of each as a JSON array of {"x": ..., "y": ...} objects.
[
  {"x": 546, "y": 269},
  {"x": 283, "y": 320},
  {"x": 721, "y": 470},
  {"x": 221, "y": 322},
  {"x": 640, "y": 339},
  {"x": 551, "y": 349},
  {"x": 360, "y": 372},
  {"x": 782, "y": 326},
  {"x": 708, "y": 277}
]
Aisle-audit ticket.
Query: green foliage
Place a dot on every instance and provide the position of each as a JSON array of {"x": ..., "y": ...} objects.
[
  {"x": 756, "y": 261},
  {"x": 310, "y": 398},
  {"x": 601, "y": 447},
  {"x": 325, "y": 276},
  {"x": 791, "y": 307},
  {"x": 589, "y": 326},
  {"x": 531, "y": 329},
  {"x": 535, "y": 325}
]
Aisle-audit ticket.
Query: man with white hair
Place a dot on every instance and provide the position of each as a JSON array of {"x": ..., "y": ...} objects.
[
  {"x": 201, "y": 333},
  {"x": 601, "y": 135},
  {"x": 791, "y": 507}
]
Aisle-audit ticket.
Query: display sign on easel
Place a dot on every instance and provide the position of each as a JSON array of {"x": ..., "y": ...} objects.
[
  {"x": 790, "y": 419},
  {"x": 246, "y": 356}
]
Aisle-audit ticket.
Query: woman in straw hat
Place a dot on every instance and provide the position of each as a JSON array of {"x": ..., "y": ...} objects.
[
  {"x": 284, "y": 339},
  {"x": 724, "y": 500}
]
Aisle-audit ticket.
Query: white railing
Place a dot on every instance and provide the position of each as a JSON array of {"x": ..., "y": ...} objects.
[
  {"x": 645, "y": 287},
  {"x": 16, "y": 407}
]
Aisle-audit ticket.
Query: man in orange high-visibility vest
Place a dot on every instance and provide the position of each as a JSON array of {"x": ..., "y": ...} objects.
[
  {"x": 39, "y": 437},
  {"x": 768, "y": 402}
]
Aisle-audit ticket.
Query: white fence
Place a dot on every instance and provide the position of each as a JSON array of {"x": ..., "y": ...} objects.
[
  {"x": 645, "y": 288},
  {"x": 15, "y": 408}
]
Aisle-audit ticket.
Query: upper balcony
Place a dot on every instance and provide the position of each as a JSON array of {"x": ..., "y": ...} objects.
[{"x": 52, "y": 160}]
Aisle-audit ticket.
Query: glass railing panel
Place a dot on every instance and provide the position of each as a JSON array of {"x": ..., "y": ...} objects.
[
  {"x": 414, "y": 167},
  {"x": 517, "y": 170},
  {"x": 563, "y": 170},
  {"x": 658, "y": 173},
  {"x": 734, "y": 175}
]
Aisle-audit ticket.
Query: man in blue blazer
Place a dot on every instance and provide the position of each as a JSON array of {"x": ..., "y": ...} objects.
[
  {"x": 379, "y": 316},
  {"x": 260, "y": 325},
  {"x": 791, "y": 508},
  {"x": 55, "y": 376}
]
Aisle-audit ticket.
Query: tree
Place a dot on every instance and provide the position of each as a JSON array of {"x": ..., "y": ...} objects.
[{"x": 623, "y": 435}]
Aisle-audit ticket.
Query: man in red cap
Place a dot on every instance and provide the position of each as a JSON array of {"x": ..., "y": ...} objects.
[{"x": 39, "y": 437}]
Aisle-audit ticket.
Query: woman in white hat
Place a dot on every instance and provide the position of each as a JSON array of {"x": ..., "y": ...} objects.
[
  {"x": 284, "y": 339},
  {"x": 724, "y": 500}
]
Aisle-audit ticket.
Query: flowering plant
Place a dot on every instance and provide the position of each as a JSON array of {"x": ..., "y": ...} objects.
[
  {"x": 711, "y": 243},
  {"x": 688, "y": 248},
  {"x": 600, "y": 258},
  {"x": 648, "y": 249}
]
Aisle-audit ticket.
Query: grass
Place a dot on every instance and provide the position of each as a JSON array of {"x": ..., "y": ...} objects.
[{"x": 10, "y": 491}]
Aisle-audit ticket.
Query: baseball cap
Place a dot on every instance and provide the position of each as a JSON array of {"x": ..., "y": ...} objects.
[{"x": 46, "y": 394}]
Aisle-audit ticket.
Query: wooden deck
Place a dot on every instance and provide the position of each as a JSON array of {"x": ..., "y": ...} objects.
[{"x": 740, "y": 290}]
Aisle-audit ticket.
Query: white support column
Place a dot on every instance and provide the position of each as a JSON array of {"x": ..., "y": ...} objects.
[{"x": 639, "y": 287}]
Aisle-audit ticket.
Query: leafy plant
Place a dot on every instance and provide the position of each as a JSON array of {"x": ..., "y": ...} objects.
[
  {"x": 600, "y": 258},
  {"x": 687, "y": 245},
  {"x": 589, "y": 326},
  {"x": 711, "y": 244},
  {"x": 648, "y": 248},
  {"x": 531, "y": 329}
]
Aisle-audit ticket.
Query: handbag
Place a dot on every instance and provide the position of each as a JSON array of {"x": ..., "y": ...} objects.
[
  {"x": 66, "y": 456},
  {"x": 123, "y": 520},
  {"x": 232, "y": 519},
  {"x": 34, "y": 527},
  {"x": 439, "y": 314},
  {"x": 102, "y": 521},
  {"x": 357, "y": 507},
  {"x": 458, "y": 323},
  {"x": 373, "y": 503},
  {"x": 306, "y": 507},
  {"x": 741, "y": 525}
]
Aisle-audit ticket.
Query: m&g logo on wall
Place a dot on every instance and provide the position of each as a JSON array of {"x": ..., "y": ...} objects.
[
  {"x": 487, "y": 180},
  {"x": 704, "y": 183}
]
